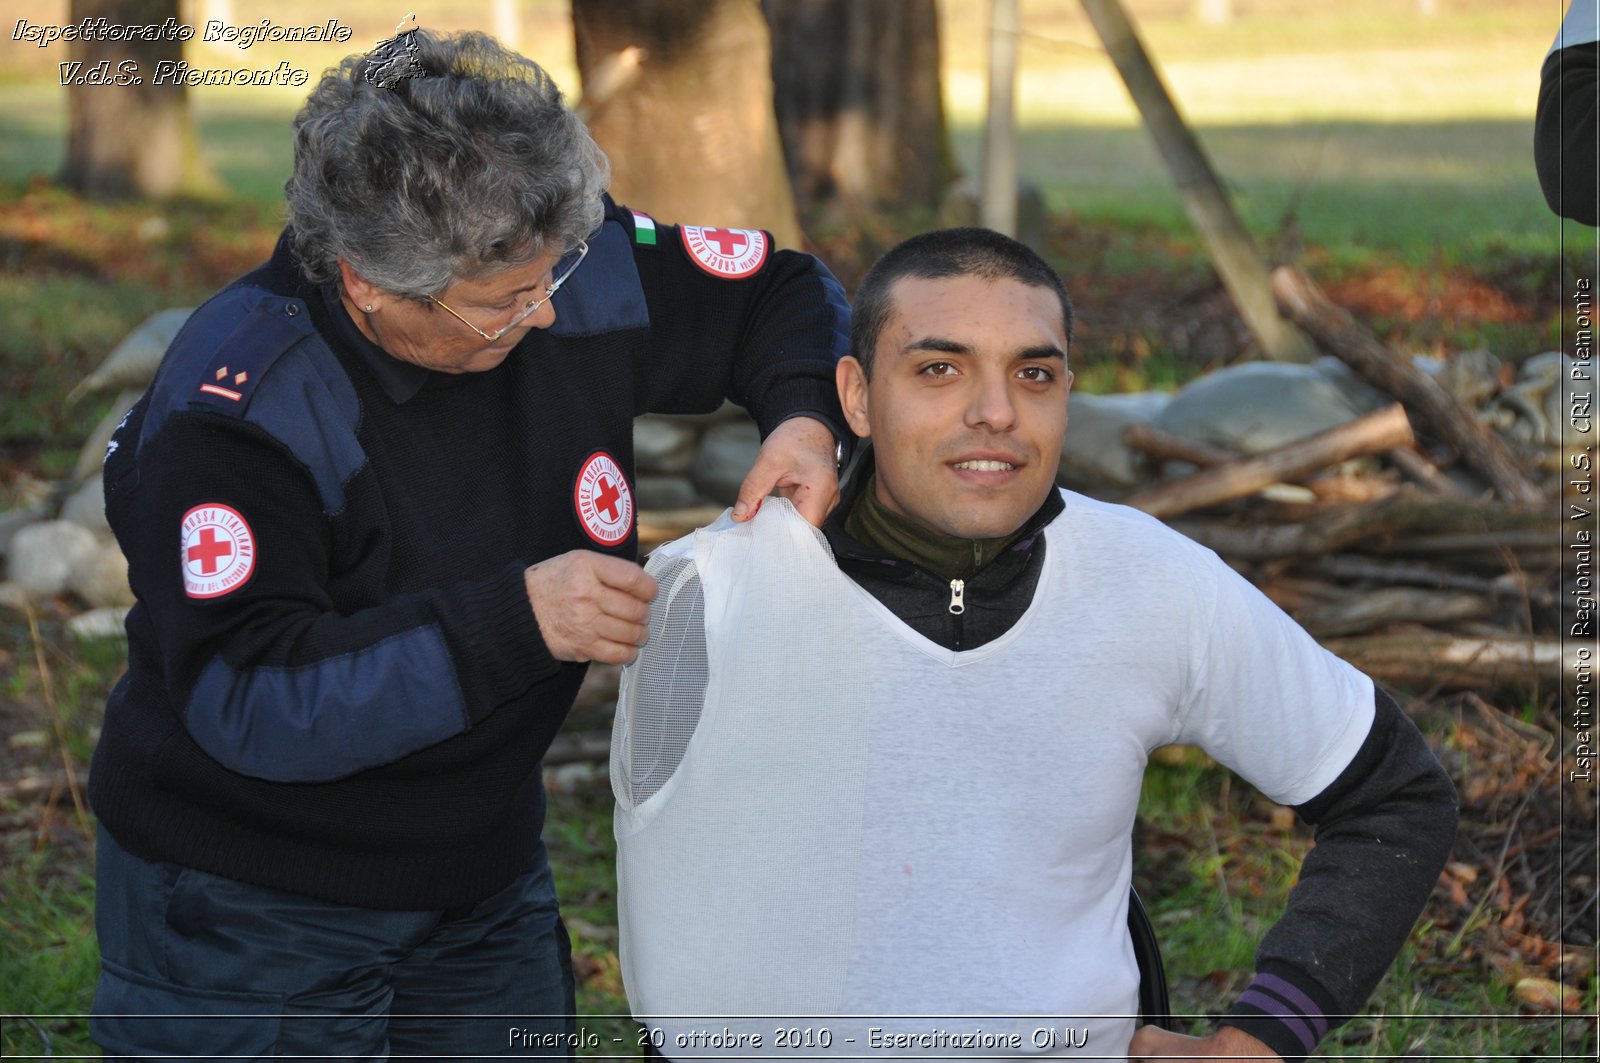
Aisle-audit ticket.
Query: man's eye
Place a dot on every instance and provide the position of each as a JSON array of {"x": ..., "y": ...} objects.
[
  {"x": 939, "y": 369},
  {"x": 1037, "y": 373}
]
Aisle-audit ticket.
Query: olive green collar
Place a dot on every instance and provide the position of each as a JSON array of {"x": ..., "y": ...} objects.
[{"x": 873, "y": 524}]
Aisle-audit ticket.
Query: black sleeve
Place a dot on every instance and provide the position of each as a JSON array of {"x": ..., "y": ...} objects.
[
  {"x": 768, "y": 339},
  {"x": 1385, "y": 827},
  {"x": 1565, "y": 129}
]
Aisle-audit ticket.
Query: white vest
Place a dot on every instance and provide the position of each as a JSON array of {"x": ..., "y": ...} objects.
[{"x": 823, "y": 815}]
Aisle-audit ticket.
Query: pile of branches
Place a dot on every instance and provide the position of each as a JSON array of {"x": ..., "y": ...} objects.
[
  {"x": 1386, "y": 560},
  {"x": 1517, "y": 900}
]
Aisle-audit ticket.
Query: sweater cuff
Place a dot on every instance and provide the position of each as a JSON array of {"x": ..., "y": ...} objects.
[
  {"x": 800, "y": 397},
  {"x": 504, "y": 647},
  {"x": 1285, "y": 1010}
]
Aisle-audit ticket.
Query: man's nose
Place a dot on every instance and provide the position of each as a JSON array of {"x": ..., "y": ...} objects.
[{"x": 992, "y": 406}]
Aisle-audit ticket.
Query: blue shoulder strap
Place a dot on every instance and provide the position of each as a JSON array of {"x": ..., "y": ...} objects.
[{"x": 220, "y": 362}]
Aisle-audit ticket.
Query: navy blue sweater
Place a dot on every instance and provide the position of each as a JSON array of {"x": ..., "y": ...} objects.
[{"x": 336, "y": 685}]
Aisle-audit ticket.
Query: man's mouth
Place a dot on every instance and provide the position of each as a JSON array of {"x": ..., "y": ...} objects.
[{"x": 985, "y": 465}]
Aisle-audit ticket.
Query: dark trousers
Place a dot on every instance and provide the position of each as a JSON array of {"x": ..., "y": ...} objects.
[{"x": 194, "y": 966}]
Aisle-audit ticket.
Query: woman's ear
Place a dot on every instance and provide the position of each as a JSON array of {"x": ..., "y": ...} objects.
[{"x": 359, "y": 290}]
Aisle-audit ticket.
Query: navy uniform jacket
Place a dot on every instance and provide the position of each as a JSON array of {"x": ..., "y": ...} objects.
[{"x": 336, "y": 685}]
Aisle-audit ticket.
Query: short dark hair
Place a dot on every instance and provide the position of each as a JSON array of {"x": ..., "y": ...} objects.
[{"x": 963, "y": 252}]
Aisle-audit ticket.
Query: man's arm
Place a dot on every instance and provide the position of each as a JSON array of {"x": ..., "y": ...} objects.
[
  {"x": 1564, "y": 132},
  {"x": 1312, "y": 732},
  {"x": 1385, "y": 827},
  {"x": 1564, "y": 125}
]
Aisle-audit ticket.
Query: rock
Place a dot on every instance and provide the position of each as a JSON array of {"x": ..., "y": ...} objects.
[
  {"x": 1551, "y": 404},
  {"x": 667, "y": 492},
  {"x": 43, "y": 556},
  {"x": 14, "y": 520},
  {"x": 663, "y": 446},
  {"x": 726, "y": 453},
  {"x": 99, "y": 624},
  {"x": 1261, "y": 405},
  {"x": 728, "y": 411},
  {"x": 133, "y": 362},
  {"x": 599, "y": 688},
  {"x": 101, "y": 577},
  {"x": 96, "y": 447},
  {"x": 13, "y": 597},
  {"x": 1094, "y": 454},
  {"x": 1471, "y": 376},
  {"x": 87, "y": 506}
]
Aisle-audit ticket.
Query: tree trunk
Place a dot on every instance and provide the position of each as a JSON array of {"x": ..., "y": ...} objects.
[
  {"x": 1243, "y": 272},
  {"x": 679, "y": 94},
  {"x": 127, "y": 137},
  {"x": 860, "y": 107}
]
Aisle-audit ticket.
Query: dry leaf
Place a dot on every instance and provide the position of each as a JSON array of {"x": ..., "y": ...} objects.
[{"x": 1546, "y": 995}]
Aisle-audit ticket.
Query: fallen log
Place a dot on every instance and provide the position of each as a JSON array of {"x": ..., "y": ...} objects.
[
  {"x": 1394, "y": 523},
  {"x": 1165, "y": 446},
  {"x": 1375, "y": 433},
  {"x": 1426, "y": 473},
  {"x": 1511, "y": 586},
  {"x": 578, "y": 747},
  {"x": 1431, "y": 659},
  {"x": 1438, "y": 411},
  {"x": 663, "y": 525},
  {"x": 1360, "y": 611}
]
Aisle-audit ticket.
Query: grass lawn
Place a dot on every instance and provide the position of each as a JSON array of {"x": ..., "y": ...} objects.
[{"x": 1388, "y": 153}]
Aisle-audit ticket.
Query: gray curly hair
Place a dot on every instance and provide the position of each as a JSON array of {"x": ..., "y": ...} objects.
[{"x": 471, "y": 165}]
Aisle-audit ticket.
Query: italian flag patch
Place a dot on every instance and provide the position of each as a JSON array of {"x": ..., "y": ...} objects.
[{"x": 644, "y": 229}]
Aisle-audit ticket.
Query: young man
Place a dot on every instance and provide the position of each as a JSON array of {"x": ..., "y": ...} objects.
[{"x": 884, "y": 775}]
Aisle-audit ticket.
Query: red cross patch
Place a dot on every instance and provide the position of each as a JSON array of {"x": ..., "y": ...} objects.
[
  {"x": 731, "y": 253},
  {"x": 219, "y": 550},
  {"x": 603, "y": 499}
]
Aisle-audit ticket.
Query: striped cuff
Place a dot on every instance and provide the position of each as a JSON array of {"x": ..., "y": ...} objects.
[{"x": 1282, "y": 1015}]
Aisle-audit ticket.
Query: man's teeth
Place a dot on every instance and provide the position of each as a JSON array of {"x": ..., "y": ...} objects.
[{"x": 985, "y": 466}]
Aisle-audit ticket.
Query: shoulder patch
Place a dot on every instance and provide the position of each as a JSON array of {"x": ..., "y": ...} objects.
[
  {"x": 219, "y": 364},
  {"x": 605, "y": 295},
  {"x": 243, "y": 357},
  {"x": 644, "y": 229},
  {"x": 219, "y": 550},
  {"x": 730, "y": 253},
  {"x": 603, "y": 500}
]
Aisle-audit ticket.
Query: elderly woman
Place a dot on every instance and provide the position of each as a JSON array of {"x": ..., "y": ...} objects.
[{"x": 378, "y": 511}]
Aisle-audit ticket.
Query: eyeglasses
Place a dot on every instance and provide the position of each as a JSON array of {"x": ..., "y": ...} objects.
[{"x": 566, "y": 267}]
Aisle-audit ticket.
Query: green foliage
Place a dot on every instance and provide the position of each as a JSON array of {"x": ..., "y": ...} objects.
[{"x": 49, "y": 963}]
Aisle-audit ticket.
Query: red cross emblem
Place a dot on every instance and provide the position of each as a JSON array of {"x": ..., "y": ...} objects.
[
  {"x": 607, "y": 498},
  {"x": 208, "y": 551},
  {"x": 219, "y": 550},
  {"x": 731, "y": 253},
  {"x": 603, "y": 500}
]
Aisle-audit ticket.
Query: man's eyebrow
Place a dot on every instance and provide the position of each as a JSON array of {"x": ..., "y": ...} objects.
[
  {"x": 936, "y": 343},
  {"x": 942, "y": 345},
  {"x": 1043, "y": 350}
]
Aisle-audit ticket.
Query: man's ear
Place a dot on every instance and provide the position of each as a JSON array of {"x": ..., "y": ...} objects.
[
  {"x": 362, "y": 292},
  {"x": 851, "y": 379}
]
